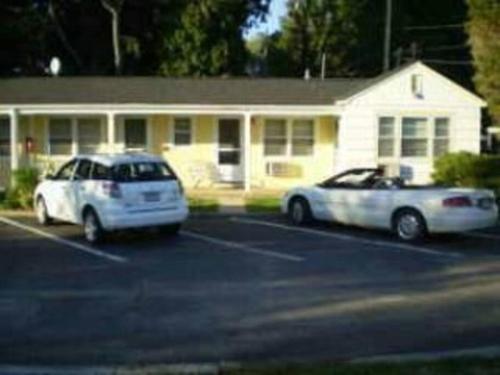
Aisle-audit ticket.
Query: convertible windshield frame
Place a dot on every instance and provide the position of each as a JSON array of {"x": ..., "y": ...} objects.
[{"x": 370, "y": 174}]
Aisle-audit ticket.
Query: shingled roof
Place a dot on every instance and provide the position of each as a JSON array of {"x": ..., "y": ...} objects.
[{"x": 158, "y": 90}]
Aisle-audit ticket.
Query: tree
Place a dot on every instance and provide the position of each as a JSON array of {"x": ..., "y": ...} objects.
[
  {"x": 311, "y": 29},
  {"x": 484, "y": 37},
  {"x": 206, "y": 38}
]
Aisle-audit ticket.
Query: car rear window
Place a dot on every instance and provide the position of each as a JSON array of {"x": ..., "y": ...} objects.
[{"x": 146, "y": 171}]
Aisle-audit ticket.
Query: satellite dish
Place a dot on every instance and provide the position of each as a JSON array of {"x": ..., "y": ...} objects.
[{"x": 55, "y": 66}]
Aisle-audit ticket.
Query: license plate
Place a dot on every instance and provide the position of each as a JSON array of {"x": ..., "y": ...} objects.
[
  {"x": 486, "y": 203},
  {"x": 151, "y": 196}
]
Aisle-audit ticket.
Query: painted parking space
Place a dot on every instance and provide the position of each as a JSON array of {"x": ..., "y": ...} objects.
[{"x": 233, "y": 290}]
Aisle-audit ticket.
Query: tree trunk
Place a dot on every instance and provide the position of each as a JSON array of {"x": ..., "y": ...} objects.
[{"x": 115, "y": 24}]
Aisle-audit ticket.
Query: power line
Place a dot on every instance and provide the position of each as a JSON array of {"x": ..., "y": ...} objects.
[
  {"x": 447, "y": 48},
  {"x": 444, "y": 62},
  {"x": 436, "y": 27}
]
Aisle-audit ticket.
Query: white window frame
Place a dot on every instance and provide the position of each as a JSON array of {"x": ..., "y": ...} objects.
[
  {"x": 102, "y": 138},
  {"x": 398, "y": 135},
  {"x": 428, "y": 127},
  {"x": 393, "y": 137},
  {"x": 289, "y": 121},
  {"x": 172, "y": 131},
  {"x": 74, "y": 134},
  {"x": 440, "y": 138},
  {"x": 72, "y": 131},
  {"x": 147, "y": 127}
]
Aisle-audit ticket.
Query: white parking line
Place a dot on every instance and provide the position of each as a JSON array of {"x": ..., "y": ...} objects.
[
  {"x": 62, "y": 241},
  {"x": 242, "y": 247},
  {"x": 346, "y": 237}
]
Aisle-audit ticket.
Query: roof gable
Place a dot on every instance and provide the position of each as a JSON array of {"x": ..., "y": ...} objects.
[{"x": 398, "y": 82}]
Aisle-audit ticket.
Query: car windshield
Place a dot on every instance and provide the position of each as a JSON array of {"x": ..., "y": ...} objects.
[
  {"x": 142, "y": 171},
  {"x": 355, "y": 179}
]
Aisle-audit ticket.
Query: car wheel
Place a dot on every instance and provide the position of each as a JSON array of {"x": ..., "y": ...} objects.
[
  {"x": 92, "y": 227},
  {"x": 42, "y": 213},
  {"x": 171, "y": 229},
  {"x": 299, "y": 211},
  {"x": 410, "y": 225}
]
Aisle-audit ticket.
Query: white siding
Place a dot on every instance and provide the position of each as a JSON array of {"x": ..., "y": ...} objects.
[{"x": 358, "y": 133}]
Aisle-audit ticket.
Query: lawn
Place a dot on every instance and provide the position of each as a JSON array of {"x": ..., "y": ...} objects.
[
  {"x": 263, "y": 205},
  {"x": 463, "y": 366},
  {"x": 203, "y": 205}
]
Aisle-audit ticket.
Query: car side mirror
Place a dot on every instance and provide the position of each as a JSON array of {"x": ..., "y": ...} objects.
[{"x": 49, "y": 177}]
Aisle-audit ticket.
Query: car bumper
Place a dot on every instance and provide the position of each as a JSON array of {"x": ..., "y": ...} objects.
[
  {"x": 121, "y": 219},
  {"x": 463, "y": 221}
]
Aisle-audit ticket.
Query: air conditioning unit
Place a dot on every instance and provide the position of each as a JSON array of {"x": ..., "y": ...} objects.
[{"x": 283, "y": 169}]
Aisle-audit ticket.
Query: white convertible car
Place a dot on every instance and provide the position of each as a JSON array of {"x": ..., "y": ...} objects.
[{"x": 364, "y": 197}]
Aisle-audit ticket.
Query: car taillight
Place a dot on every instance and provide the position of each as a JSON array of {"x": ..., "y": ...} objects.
[
  {"x": 111, "y": 189},
  {"x": 457, "y": 202}
]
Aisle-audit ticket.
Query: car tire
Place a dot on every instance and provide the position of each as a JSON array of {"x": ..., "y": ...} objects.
[
  {"x": 409, "y": 225},
  {"x": 42, "y": 214},
  {"x": 171, "y": 229},
  {"x": 92, "y": 227},
  {"x": 299, "y": 211}
]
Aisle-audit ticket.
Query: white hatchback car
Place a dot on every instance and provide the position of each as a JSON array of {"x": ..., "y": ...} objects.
[{"x": 112, "y": 192}]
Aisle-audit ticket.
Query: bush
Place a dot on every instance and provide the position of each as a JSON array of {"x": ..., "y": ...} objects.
[
  {"x": 21, "y": 194},
  {"x": 464, "y": 169}
]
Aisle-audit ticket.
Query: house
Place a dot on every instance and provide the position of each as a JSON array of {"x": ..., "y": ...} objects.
[{"x": 253, "y": 133}]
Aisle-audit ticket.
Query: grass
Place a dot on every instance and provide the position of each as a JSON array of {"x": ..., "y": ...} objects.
[
  {"x": 464, "y": 366},
  {"x": 263, "y": 205},
  {"x": 203, "y": 205}
]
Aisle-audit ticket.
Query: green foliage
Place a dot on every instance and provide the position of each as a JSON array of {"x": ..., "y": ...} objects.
[
  {"x": 464, "y": 169},
  {"x": 484, "y": 36},
  {"x": 263, "y": 205},
  {"x": 21, "y": 194},
  {"x": 207, "y": 38},
  {"x": 203, "y": 205}
]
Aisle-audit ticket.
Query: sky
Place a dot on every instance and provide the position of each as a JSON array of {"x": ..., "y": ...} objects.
[{"x": 272, "y": 23}]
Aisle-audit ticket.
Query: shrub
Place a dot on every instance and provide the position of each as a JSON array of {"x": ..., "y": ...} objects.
[
  {"x": 21, "y": 194},
  {"x": 464, "y": 169}
]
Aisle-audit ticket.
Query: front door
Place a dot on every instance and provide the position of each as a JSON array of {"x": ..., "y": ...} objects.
[{"x": 229, "y": 150}]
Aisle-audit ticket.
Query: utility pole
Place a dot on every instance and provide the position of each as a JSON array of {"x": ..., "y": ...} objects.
[{"x": 387, "y": 39}]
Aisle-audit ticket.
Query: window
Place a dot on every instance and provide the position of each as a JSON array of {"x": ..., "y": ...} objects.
[
  {"x": 142, "y": 172},
  {"x": 83, "y": 170},
  {"x": 100, "y": 172},
  {"x": 275, "y": 138},
  {"x": 135, "y": 134},
  {"x": 302, "y": 137},
  {"x": 89, "y": 135},
  {"x": 182, "y": 131},
  {"x": 4, "y": 137},
  {"x": 441, "y": 136},
  {"x": 415, "y": 137},
  {"x": 60, "y": 136},
  {"x": 66, "y": 171},
  {"x": 386, "y": 137}
]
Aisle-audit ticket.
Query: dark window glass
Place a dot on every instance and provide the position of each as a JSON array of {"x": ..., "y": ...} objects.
[
  {"x": 83, "y": 170},
  {"x": 101, "y": 172},
  {"x": 66, "y": 171},
  {"x": 135, "y": 172},
  {"x": 135, "y": 134}
]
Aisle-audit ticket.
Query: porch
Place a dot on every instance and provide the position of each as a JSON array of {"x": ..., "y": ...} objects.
[{"x": 216, "y": 149}]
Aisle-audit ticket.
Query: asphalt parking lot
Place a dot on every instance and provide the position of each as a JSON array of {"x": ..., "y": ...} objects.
[{"x": 241, "y": 289}]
